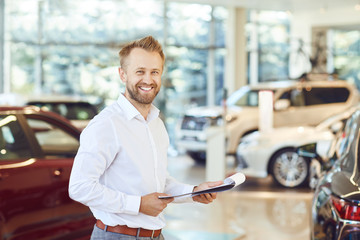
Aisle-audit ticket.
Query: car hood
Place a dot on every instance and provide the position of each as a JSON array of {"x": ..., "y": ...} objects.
[
  {"x": 343, "y": 185},
  {"x": 290, "y": 137},
  {"x": 214, "y": 111},
  {"x": 282, "y": 133}
]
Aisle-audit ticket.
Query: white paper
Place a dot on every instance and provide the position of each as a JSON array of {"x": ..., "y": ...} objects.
[{"x": 229, "y": 183}]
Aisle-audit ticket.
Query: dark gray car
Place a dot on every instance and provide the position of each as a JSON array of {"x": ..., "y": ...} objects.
[{"x": 336, "y": 202}]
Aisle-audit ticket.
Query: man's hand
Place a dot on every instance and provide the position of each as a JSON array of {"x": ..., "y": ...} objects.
[
  {"x": 151, "y": 204},
  {"x": 207, "y": 197}
]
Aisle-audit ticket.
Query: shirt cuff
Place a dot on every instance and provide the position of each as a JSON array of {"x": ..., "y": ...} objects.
[{"x": 132, "y": 205}]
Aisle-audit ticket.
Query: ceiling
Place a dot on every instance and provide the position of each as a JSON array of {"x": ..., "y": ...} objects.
[{"x": 287, "y": 5}]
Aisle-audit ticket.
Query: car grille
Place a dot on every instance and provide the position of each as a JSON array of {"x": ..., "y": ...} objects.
[
  {"x": 193, "y": 123},
  {"x": 198, "y": 123}
]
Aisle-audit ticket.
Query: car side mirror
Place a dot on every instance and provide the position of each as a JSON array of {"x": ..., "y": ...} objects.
[{"x": 282, "y": 104}]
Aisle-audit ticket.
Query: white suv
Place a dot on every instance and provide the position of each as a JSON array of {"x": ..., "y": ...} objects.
[{"x": 295, "y": 103}]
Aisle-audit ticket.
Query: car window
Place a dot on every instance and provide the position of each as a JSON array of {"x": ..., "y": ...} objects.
[
  {"x": 315, "y": 96},
  {"x": 245, "y": 98},
  {"x": 53, "y": 140},
  {"x": 295, "y": 96},
  {"x": 80, "y": 111},
  {"x": 71, "y": 110},
  {"x": 13, "y": 142}
]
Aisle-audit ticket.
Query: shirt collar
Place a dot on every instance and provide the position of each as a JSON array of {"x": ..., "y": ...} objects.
[{"x": 131, "y": 112}]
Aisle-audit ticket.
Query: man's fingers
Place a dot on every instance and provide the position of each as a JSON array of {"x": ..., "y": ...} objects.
[
  {"x": 167, "y": 200},
  {"x": 213, "y": 195},
  {"x": 214, "y": 184}
]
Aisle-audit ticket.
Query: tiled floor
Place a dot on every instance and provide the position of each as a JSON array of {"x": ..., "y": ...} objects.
[{"x": 255, "y": 210}]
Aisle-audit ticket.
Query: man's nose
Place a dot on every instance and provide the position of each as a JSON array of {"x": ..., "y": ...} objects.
[{"x": 147, "y": 78}]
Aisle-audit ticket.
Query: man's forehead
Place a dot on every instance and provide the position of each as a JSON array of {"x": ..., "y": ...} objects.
[
  {"x": 145, "y": 68},
  {"x": 140, "y": 58}
]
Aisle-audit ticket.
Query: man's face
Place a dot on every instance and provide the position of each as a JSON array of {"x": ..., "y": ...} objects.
[{"x": 142, "y": 76}]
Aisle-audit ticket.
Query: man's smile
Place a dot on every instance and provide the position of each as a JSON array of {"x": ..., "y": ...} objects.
[{"x": 146, "y": 89}]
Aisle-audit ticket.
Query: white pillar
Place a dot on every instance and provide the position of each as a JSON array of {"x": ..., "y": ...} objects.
[
  {"x": 266, "y": 112},
  {"x": 236, "y": 57},
  {"x": 215, "y": 154}
]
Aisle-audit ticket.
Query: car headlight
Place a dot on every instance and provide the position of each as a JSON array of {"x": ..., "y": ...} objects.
[
  {"x": 215, "y": 121},
  {"x": 230, "y": 118}
]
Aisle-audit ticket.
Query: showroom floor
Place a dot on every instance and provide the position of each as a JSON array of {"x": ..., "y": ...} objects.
[{"x": 257, "y": 209}]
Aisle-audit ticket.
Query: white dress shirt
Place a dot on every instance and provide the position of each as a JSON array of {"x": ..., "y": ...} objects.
[{"x": 122, "y": 157}]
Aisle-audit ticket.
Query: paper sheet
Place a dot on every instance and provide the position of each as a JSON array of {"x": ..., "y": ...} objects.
[{"x": 230, "y": 182}]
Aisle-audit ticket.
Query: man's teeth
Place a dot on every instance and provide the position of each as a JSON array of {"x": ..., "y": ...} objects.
[{"x": 145, "y": 88}]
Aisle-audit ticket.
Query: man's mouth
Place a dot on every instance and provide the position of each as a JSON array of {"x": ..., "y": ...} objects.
[{"x": 146, "y": 89}]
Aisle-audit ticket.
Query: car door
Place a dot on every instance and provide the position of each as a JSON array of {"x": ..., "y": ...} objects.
[
  {"x": 24, "y": 179},
  {"x": 34, "y": 179},
  {"x": 59, "y": 142}
]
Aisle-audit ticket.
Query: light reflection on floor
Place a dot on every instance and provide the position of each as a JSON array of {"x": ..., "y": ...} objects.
[{"x": 238, "y": 214}]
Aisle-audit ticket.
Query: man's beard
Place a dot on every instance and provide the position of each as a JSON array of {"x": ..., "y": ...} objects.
[{"x": 146, "y": 98}]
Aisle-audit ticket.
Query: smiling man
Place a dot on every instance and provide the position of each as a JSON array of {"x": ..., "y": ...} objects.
[{"x": 120, "y": 170}]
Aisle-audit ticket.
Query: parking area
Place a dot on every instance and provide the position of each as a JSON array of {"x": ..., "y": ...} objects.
[{"x": 257, "y": 209}]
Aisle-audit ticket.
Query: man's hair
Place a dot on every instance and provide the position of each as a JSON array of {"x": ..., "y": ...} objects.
[{"x": 147, "y": 43}]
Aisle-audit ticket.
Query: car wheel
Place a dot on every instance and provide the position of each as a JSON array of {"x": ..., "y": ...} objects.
[
  {"x": 198, "y": 157},
  {"x": 289, "y": 169}
]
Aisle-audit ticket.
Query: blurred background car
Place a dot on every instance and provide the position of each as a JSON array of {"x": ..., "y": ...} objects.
[
  {"x": 37, "y": 150},
  {"x": 295, "y": 103},
  {"x": 77, "y": 109},
  {"x": 335, "y": 207},
  {"x": 274, "y": 152}
]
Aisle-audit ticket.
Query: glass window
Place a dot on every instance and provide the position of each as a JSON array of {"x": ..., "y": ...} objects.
[
  {"x": 220, "y": 16},
  {"x": 13, "y": 141},
  {"x": 346, "y": 53},
  {"x": 220, "y": 55},
  {"x": 22, "y": 68},
  {"x": 53, "y": 140},
  {"x": 268, "y": 36},
  {"x": 66, "y": 47},
  {"x": 81, "y": 70},
  {"x": 325, "y": 95},
  {"x": 189, "y": 24}
]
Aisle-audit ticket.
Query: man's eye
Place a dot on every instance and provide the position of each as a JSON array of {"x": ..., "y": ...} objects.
[
  {"x": 140, "y": 72},
  {"x": 155, "y": 72}
]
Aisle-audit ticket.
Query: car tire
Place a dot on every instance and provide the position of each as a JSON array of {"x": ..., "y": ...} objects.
[
  {"x": 198, "y": 157},
  {"x": 288, "y": 169}
]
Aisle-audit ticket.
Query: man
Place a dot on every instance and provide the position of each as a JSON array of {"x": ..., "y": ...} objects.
[{"x": 120, "y": 169}]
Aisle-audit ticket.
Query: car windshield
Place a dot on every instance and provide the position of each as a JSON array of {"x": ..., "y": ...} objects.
[{"x": 245, "y": 97}]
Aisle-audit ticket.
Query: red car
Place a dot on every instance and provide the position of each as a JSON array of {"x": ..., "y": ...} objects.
[{"x": 37, "y": 150}]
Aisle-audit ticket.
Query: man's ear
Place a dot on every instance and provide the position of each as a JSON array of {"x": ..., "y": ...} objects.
[{"x": 122, "y": 74}]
